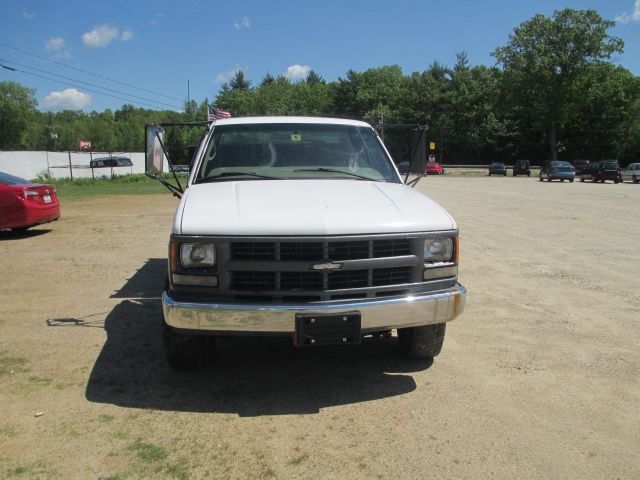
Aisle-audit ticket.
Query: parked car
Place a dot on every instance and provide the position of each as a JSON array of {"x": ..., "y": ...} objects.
[
  {"x": 181, "y": 168},
  {"x": 601, "y": 171},
  {"x": 106, "y": 162},
  {"x": 498, "y": 169},
  {"x": 308, "y": 245},
  {"x": 433, "y": 168},
  {"x": 403, "y": 167},
  {"x": 24, "y": 204},
  {"x": 521, "y": 167},
  {"x": 632, "y": 172},
  {"x": 557, "y": 170},
  {"x": 580, "y": 165}
]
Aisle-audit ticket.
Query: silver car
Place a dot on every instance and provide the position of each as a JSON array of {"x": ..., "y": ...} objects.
[{"x": 632, "y": 172}]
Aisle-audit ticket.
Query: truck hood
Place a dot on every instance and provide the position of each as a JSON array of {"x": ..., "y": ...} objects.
[{"x": 306, "y": 207}]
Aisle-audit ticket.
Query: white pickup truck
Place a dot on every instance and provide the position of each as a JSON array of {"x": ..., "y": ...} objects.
[{"x": 303, "y": 227}]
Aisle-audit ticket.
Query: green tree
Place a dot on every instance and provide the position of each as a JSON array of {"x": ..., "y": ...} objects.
[
  {"x": 240, "y": 82},
  {"x": 17, "y": 108},
  {"x": 544, "y": 58}
]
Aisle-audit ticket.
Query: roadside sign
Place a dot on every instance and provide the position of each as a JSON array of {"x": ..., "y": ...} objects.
[{"x": 85, "y": 145}]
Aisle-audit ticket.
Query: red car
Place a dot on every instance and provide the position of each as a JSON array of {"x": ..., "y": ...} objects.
[
  {"x": 24, "y": 204},
  {"x": 433, "y": 168}
]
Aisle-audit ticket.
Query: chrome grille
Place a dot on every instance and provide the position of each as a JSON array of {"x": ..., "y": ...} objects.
[{"x": 284, "y": 269}]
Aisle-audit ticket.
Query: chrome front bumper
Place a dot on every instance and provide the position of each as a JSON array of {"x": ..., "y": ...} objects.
[{"x": 380, "y": 314}]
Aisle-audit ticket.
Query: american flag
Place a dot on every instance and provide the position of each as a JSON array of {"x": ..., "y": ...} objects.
[{"x": 217, "y": 114}]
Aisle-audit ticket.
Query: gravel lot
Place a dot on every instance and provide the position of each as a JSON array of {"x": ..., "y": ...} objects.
[{"x": 538, "y": 379}]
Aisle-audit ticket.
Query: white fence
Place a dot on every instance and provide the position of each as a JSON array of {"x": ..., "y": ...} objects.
[{"x": 67, "y": 164}]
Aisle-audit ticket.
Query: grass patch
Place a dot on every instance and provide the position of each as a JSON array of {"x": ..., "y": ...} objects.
[
  {"x": 38, "y": 382},
  {"x": 178, "y": 471},
  {"x": 120, "y": 435},
  {"x": 105, "y": 418},
  {"x": 135, "y": 184},
  {"x": 10, "y": 364},
  {"x": 8, "y": 431},
  {"x": 298, "y": 459},
  {"x": 32, "y": 470},
  {"x": 148, "y": 452}
]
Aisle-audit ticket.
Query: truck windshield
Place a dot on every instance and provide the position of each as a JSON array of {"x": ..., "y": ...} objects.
[{"x": 295, "y": 151}]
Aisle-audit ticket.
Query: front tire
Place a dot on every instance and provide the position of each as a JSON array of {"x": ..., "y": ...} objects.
[
  {"x": 187, "y": 352},
  {"x": 634, "y": 179},
  {"x": 422, "y": 342}
]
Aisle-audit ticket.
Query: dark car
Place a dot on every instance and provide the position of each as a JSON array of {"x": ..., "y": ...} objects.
[
  {"x": 24, "y": 204},
  {"x": 601, "y": 171},
  {"x": 403, "y": 167},
  {"x": 106, "y": 162},
  {"x": 498, "y": 169},
  {"x": 557, "y": 170},
  {"x": 521, "y": 167},
  {"x": 580, "y": 165}
]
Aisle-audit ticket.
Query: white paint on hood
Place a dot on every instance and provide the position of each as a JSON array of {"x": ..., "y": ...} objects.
[{"x": 306, "y": 207}]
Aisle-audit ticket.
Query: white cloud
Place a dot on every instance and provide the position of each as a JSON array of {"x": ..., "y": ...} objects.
[
  {"x": 54, "y": 44},
  {"x": 224, "y": 77},
  {"x": 244, "y": 23},
  {"x": 69, "y": 99},
  {"x": 297, "y": 72},
  {"x": 28, "y": 15},
  {"x": 630, "y": 17},
  {"x": 126, "y": 35},
  {"x": 100, "y": 36}
]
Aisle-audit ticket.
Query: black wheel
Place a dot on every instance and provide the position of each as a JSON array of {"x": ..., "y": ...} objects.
[
  {"x": 634, "y": 179},
  {"x": 571, "y": 180},
  {"x": 540, "y": 177},
  {"x": 529, "y": 174},
  {"x": 187, "y": 352},
  {"x": 616, "y": 181},
  {"x": 422, "y": 342},
  {"x": 515, "y": 174},
  {"x": 582, "y": 178},
  {"x": 562, "y": 180}
]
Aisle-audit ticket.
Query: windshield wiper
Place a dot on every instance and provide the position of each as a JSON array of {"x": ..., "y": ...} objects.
[
  {"x": 335, "y": 170},
  {"x": 213, "y": 178}
]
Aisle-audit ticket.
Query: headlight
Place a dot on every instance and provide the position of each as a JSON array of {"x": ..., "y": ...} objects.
[
  {"x": 438, "y": 250},
  {"x": 193, "y": 255}
]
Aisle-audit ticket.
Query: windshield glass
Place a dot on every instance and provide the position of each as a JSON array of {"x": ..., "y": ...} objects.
[
  {"x": 610, "y": 165},
  {"x": 300, "y": 151},
  {"x": 7, "y": 179}
]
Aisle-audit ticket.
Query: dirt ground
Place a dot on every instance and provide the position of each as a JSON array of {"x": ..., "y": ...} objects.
[{"x": 538, "y": 379}]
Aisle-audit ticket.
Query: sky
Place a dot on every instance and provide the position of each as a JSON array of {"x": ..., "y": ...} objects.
[{"x": 147, "y": 52}]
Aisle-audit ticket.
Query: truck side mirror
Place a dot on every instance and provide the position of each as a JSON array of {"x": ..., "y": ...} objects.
[{"x": 154, "y": 158}]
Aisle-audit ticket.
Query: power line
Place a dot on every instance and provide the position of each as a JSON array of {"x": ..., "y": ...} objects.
[
  {"x": 85, "y": 88},
  {"x": 88, "y": 83},
  {"x": 86, "y": 71}
]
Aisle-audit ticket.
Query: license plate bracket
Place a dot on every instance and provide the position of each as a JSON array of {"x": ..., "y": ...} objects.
[{"x": 313, "y": 330}]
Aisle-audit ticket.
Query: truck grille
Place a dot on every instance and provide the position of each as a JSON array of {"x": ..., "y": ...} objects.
[{"x": 278, "y": 270}]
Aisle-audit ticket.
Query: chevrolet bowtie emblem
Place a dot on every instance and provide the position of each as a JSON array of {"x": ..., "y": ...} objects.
[{"x": 326, "y": 266}]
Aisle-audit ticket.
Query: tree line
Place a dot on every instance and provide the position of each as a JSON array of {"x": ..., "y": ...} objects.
[{"x": 553, "y": 93}]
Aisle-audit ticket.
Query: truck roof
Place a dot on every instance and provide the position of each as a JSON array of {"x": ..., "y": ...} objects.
[{"x": 309, "y": 120}]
